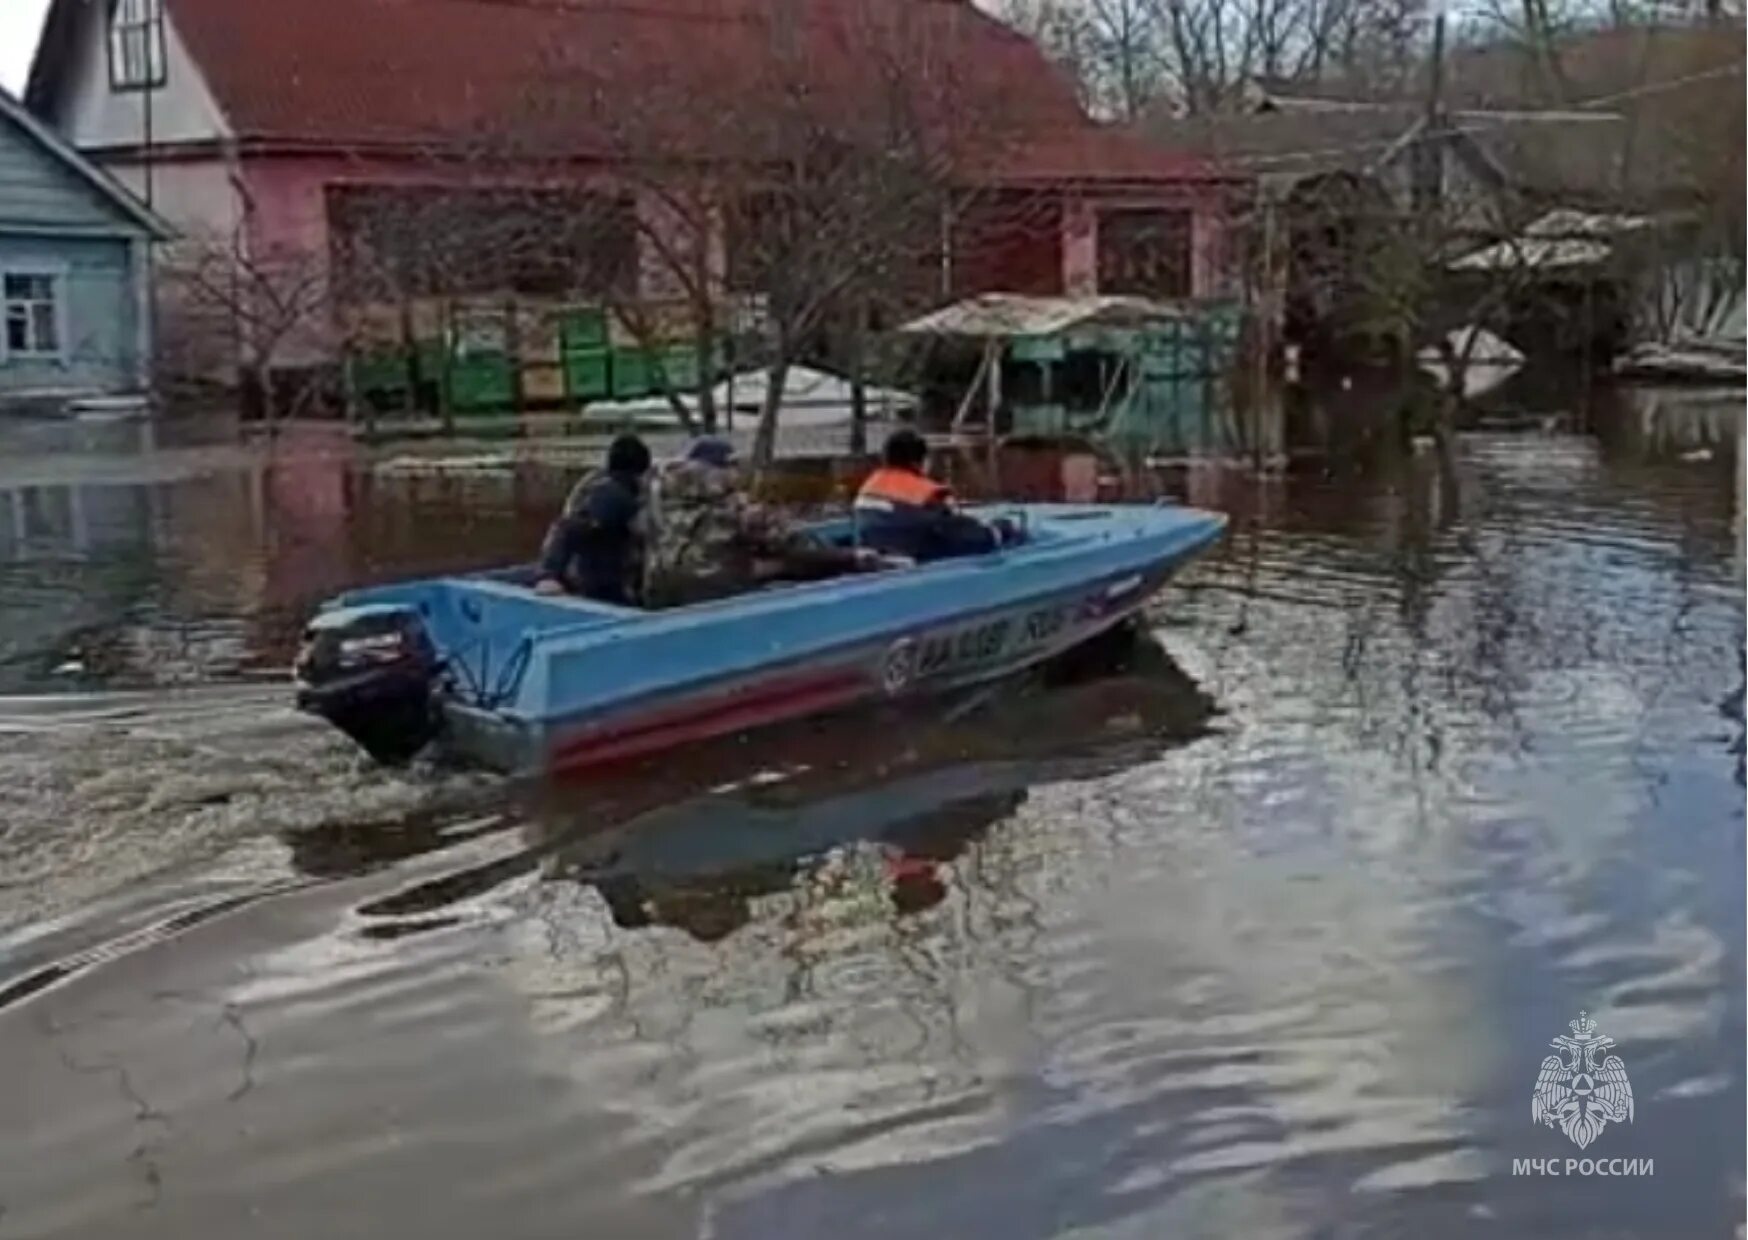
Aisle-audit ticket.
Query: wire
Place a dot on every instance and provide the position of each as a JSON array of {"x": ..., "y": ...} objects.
[
  {"x": 1570, "y": 115},
  {"x": 1653, "y": 88},
  {"x": 511, "y": 677},
  {"x": 457, "y": 661}
]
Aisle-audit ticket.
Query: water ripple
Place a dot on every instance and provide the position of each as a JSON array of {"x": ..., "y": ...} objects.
[{"x": 1266, "y": 937}]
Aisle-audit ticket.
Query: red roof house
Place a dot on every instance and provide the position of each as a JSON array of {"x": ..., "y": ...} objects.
[{"x": 240, "y": 121}]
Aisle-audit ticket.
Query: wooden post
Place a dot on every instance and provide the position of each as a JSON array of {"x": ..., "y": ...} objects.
[
  {"x": 78, "y": 526},
  {"x": 1435, "y": 89},
  {"x": 369, "y": 422},
  {"x": 446, "y": 358},
  {"x": 962, "y": 415},
  {"x": 1264, "y": 322},
  {"x": 993, "y": 379},
  {"x": 1429, "y": 168},
  {"x": 858, "y": 380},
  {"x": 946, "y": 254},
  {"x": 409, "y": 357},
  {"x": 155, "y": 39},
  {"x": 513, "y": 349},
  {"x": 145, "y": 359},
  {"x": 257, "y": 484},
  {"x": 16, "y": 495}
]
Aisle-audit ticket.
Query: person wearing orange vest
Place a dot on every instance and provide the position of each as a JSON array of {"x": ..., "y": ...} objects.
[{"x": 901, "y": 511}]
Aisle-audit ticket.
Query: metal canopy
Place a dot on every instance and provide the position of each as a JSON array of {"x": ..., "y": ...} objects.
[{"x": 995, "y": 316}]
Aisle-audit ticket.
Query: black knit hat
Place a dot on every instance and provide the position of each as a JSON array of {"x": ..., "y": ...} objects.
[
  {"x": 905, "y": 449},
  {"x": 628, "y": 454}
]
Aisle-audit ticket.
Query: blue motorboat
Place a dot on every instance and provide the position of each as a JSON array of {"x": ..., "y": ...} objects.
[{"x": 498, "y": 675}]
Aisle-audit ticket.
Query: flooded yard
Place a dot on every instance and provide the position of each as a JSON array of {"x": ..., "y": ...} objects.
[{"x": 1263, "y": 930}]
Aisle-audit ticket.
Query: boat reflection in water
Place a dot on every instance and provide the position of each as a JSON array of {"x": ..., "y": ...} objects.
[
  {"x": 877, "y": 799},
  {"x": 860, "y": 807}
]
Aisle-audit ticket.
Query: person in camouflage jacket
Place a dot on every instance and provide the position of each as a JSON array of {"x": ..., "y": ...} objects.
[{"x": 708, "y": 538}]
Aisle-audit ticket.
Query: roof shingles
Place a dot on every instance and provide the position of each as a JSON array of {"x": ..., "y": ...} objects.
[{"x": 424, "y": 73}]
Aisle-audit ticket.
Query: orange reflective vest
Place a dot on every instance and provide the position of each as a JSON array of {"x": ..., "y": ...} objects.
[{"x": 888, "y": 487}]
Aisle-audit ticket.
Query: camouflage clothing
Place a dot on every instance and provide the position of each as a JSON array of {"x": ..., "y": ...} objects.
[{"x": 707, "y": 536}]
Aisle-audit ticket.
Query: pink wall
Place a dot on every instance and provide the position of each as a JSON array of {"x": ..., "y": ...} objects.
[
  {"x": 290, "y": 217},
  {"x": 1080, "y": 248},
  {"x": 1210, "y": 274},
  {"x": 656, "y": 275},
  {"x": 196, "y": 196},
  {"x": 288, "y": 222},
  {"x": 288, "y": 229},
  {"x": 1208, "y": 258}
]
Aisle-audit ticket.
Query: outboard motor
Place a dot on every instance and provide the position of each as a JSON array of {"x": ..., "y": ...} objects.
[{"x": 372, "y": 672}]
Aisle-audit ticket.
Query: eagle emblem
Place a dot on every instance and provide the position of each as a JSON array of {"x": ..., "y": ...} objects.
[
  {"x": 1579, "y": 1091},
  {"x": 899, "y": 665}
]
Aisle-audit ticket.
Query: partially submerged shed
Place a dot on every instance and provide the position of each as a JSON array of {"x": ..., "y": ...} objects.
[
  {"x": 1150, "y": 374},
  {"x": 1629, "y": 277}
]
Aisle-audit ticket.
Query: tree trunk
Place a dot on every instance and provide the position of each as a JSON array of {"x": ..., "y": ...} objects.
[
  {"x": 858, "y": 384},
  {"x": 1444, "y": 419},
  {"x": 765, "y": 438},
  {"x": 1445, "y": 446},
  {"x": 258, "y": 378},
  {"x": 706, "y": 347},
  {"x": 677, "y": 403},
  {"x": 643, "y": 334}
]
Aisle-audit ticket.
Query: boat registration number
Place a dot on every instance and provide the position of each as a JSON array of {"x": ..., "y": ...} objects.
[
  {"x": 965, "y": 649},
  {"x": 962, "y": 648},
  {"x": 971, "y": 647}
]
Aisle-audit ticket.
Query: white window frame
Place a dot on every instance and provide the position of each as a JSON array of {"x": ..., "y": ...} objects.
[
  {"x": 142, "y": 20},
  {"x": 57, "y": 274}
]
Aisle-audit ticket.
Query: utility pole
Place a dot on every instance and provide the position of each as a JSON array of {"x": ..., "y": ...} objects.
[
  {"x": 1429, "y": 167},
  {"x": 1264, "y": 322},
  {"x": 156, "y": 59},
  {"x": 1435, "y": 87}
]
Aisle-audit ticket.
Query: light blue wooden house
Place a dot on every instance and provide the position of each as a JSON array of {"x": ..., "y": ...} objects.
[{"x": 75, "y": 267}]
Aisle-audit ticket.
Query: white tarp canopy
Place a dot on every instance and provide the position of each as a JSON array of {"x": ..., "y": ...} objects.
[
  {"x": 1000, "y": 315},
  {"x": 1490, "y": 360},
  {"x": 810, "y": 398},
  {"x": 1561, "y": 238}
]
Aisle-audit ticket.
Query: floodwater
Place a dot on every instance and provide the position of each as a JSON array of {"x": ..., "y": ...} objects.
[{"x": 1261, "y": 930}]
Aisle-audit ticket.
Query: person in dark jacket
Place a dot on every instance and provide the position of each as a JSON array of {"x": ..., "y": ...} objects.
[
  {"x": 594, "y": 549},
  {"x": 902, "y": 511}
]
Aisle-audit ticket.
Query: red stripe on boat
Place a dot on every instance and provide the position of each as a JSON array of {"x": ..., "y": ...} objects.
[{"x": 700, "y": 718}]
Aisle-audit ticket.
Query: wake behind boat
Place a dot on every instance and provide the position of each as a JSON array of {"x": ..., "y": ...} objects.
[{"x": 499, "y": 675}]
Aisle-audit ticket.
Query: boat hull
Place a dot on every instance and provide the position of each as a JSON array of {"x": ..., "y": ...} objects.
[
  {"x": 949, "y": 656},
  {"x": 618, "y": 685}
]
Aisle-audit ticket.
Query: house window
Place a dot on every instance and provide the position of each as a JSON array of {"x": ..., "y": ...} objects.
[
  {"x": 136, "y": 44},
  {"x": 30, "y": 311},
  {"x": 416, "y": 241},
  {"x": 1145, "y": 253},
  {"x": 759, "y": 230}
]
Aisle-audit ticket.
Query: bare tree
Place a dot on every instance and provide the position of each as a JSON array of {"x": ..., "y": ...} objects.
[
  {"x": 809, "y": 173},
  {"x": 794, "y": 179},
  {"x": 1112, "y": 48},
  {"x": 268, "y": 300},
  {"x": 1063, "y": 30},
  {"x": 1196, "y": 56}
]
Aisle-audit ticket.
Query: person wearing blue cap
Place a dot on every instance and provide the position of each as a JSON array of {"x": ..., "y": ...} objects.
[{"x": 710, "y": 538}]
